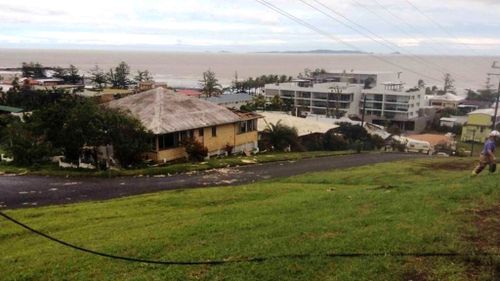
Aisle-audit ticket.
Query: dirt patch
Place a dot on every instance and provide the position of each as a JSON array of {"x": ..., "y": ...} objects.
[
  {"x": 483, "y": 236},
  {"x": 198, "y": 273},
  {"x": 384, "y": 187},
  {"x": 414, "y": 275},
  {"x": 416, "y": 269},
  {"x": 487, "y": 229},
  {"x": 450, "y": 166}
]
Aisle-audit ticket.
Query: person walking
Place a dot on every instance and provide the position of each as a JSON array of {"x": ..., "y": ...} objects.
[{"x": 487, "y": 157}]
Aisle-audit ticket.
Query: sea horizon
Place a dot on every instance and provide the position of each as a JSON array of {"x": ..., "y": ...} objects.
[{"x": 185, "y": 68}]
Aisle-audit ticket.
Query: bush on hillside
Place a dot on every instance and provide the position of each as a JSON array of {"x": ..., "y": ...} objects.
[{"x": 195, "y": 150}]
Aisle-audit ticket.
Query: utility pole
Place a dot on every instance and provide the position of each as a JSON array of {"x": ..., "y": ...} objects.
[
  {"x": 472, "y": 143},
  {"x": 494, "y": 121},
  {"x": 364, "y": 110}
]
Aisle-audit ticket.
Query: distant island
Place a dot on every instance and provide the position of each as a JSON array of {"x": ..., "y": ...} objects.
[{"x": 316, "y": 52}]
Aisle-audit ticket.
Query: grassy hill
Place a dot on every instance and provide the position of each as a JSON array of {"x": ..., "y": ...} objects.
[{"x": 427, "y": 206}]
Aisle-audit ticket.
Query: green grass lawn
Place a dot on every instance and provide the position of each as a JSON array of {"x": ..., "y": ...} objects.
[
  {"x": 54, "y": 170},
  {"x": 427, "y": 205}
]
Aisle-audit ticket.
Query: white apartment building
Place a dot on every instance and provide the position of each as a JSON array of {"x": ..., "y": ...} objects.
[
  {"x": 388, "y": 103},
  {"x": 391, "y": 104},
  {"x": 318, "y": 98}
]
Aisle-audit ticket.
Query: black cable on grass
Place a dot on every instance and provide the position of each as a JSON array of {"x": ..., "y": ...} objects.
[{"x": 248, "y": 259}]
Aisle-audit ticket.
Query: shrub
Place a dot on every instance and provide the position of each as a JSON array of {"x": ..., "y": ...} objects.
[
  {"x": 377, "y": 141},
  {"x": 334, "y": 142},
  {"x": 229, "y": 149},
  {"x": 195, "y": 150}
]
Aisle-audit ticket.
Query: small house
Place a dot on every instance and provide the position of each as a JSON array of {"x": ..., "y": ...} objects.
[
  {"x": 479, "y": 124},
  {"x": 174, "y": 118}
]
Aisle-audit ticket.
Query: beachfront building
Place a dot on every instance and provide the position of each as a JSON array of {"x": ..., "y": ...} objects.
[
  {"x": 479, "y": 125},
  {"x": 321, "y": 98},
  {"x": 231, "y": 100},
  {"x": 447, "y": 100},
  {"x": 388, "y": 103},
  {"x": 173, "y": 118}
]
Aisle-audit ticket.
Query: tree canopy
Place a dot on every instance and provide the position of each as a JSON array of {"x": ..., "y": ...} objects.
[
  {"x": 210, "y": 84},
  {"x": 68, "y": 124}
]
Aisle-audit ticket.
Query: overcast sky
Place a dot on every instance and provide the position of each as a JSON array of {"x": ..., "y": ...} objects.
[{"x": 471, "y": 26}]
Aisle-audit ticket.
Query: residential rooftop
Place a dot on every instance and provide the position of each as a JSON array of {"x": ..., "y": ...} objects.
[
  {"x": 164, "y": 111},
  {"x": 304, "y": 126},
  {"x": 10, "y": 109},
  {"x": 230, "y": 98}
]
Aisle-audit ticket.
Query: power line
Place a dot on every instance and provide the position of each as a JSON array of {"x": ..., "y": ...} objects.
[
  {"x": 395, "y": 25},
  {"x": 326, "y": 34},
  {"x": 370, "y": 35},
  {"x": 411, "y": 27},
  {"x": 440, "y": 26},
  {"x": 248, "y": 259}
]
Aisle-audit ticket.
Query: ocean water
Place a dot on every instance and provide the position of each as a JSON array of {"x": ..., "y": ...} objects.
[{"x": 185, "y": 69}]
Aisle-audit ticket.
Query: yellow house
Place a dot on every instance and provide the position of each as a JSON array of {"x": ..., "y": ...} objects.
[
  {"x": 478, "y": 125},
  {"x": 174, "y": 117}
]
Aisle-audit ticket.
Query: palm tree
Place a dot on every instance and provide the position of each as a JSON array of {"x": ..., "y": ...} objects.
[
  {"x": 280, "y": 137},
  {"x": 337, "y": 91}
]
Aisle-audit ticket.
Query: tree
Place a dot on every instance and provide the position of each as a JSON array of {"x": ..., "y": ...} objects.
[
  {"x": 127, "y": 135},
  {"x": 421, "y": 84},
  {"x": 276, "y": 103},
  {"x": 449, "y": 83},
  {"x": 143, "y": 76},
  {"x": 33, "y": 70},
  {"x": 73, "y": 77},
  {"x": 74, "y": 122},
  {"x": 98, "y": 77},
  {"x": 60, "y": 73},
  {"x": 317, "y": 72},
  {"x": 481, "y": 95},
  {"x": 352, "y": 132},
  {"x": 260, "y": 102},
  {"x": 337, "y": 91},
  {"x": 119, "y": 77},
  {"x": 23, "y": 144},
  {"x": 288, "y": 105},
  {"x": 369, "y": 83},
  {"x": 210, "y": 84},
  {"x": 280, "y": 137}
]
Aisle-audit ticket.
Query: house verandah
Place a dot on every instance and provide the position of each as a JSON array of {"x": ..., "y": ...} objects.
[{"x": 241, "y": 136}]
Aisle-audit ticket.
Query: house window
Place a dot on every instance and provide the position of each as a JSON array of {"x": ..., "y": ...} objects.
[
  {"x": 186, "y": 135},
  {"x": 247, "y": 126},
  {"x": 251, "y": 126},
  {"x": 168, "y": 141},
  {"x": 243, "y": 127},
  {"x": 214, "y": 131},
  {"x": 201, "y": 132}
]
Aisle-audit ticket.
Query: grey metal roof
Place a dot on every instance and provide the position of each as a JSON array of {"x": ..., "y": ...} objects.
[
  {"x": 230, "y": 98},
  {"x": 10, "y": 109},
  {"x": 163, "y": 111}
]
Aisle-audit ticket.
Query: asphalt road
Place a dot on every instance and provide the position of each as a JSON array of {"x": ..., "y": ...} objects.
[{"x": 31, "y": 191}]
